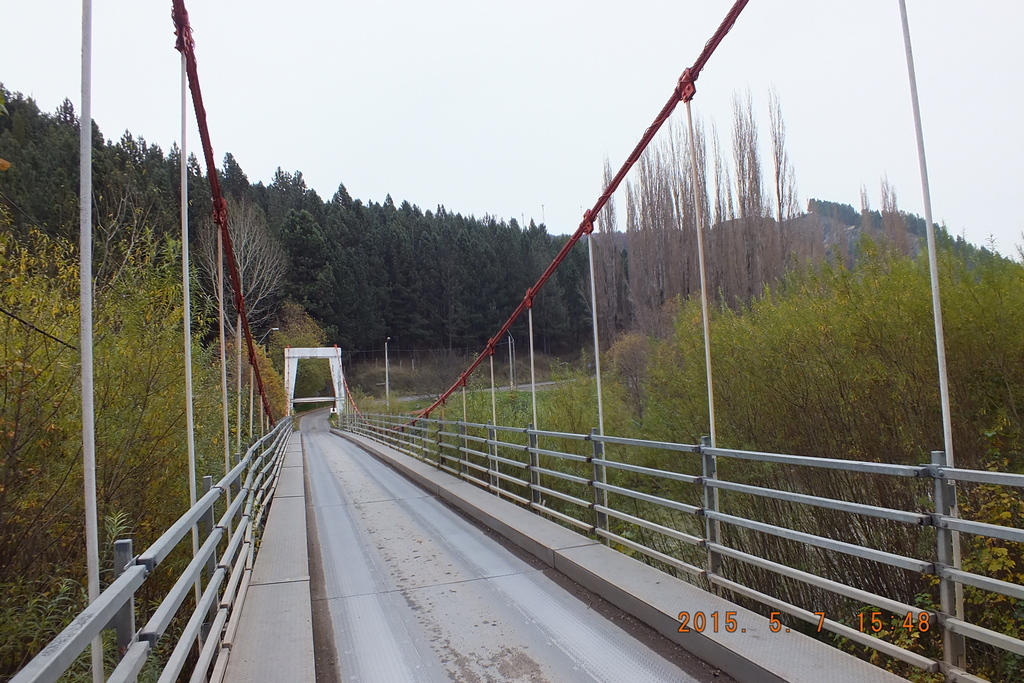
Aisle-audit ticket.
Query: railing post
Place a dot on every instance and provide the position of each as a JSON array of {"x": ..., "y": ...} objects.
[
  {"x": 124, "y": 620},
  {"x": 534, "y": 464},
  {"x": 712, "y": 528},
  {"x": 463, "y": 456},
  {"x": 236, "y": 487},
  {"x": 953, "y": 645},
  {"x": 492, "y": 451},
  {"x": 600, "y": 475},
  {"x": 211, "y": 564},
  {"x": 438, "y": 427},
  {"x": 207, "y": 520}
]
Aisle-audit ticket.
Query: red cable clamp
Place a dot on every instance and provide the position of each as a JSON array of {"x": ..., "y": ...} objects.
[
  {"x": 588, "y": 223},
  {"x": 686, "y": 87},
  {"x": 220, "y": 211}
]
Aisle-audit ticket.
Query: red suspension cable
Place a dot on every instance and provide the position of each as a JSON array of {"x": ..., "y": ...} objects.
[
  {"x": 348, "y": 393},
  {"x": 683, "y": 92},
  {"x": 186, "y": 45}
]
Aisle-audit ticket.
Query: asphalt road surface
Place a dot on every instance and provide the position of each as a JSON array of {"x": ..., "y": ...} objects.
[{"x": 407, "y": 589}]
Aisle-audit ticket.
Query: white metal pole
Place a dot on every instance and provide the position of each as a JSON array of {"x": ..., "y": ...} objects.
[
  {"x": 933, "y": 271},
  {"x": 597, "y": 346},
  {"x": 511, "y": 361},
  {"x": 238, "y": 386},
  {"x": 92, "y": 542},
  {"x": 533, "y": 374},
  {"x": 494, "y": 398},
  {"x": 186, "y": 295},
  {"x": 465, "y": 414},
  {"x": 699, "y": 209},
  {"x": 933, "y": 267},
  {"x": 387, "y": 375},
  {"x": 252, "y": 381},
  {"x": 223, "y": 357}
]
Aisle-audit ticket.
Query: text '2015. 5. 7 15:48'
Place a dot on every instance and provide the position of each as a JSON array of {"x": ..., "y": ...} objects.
[
  {"x": 716, "y": 622},
  {"x": 726, "y": 622}
]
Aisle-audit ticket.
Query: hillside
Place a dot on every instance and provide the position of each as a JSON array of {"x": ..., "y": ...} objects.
[{"x": 433, "y": 279}]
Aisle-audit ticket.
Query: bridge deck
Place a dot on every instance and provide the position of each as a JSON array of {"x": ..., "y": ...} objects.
[
  {"x": 404, "y": 588},
  {"x": 415, "y": 592}
]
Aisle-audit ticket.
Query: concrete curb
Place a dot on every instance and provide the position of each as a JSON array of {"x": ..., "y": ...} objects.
[
  {"x": 274, "y": 641},
  {"x": 753, "y": 653}
]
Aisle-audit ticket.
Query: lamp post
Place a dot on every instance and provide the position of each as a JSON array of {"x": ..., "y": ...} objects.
[
  {"x": 252, "y": 379},
  {"x": 387, "y": 375},
  {"x": 272, "y": 329}
]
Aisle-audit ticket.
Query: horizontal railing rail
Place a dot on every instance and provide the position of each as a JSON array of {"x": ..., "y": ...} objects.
[
  {"x": 677, "y": 520},
  {"x": 248, "y": 486}
]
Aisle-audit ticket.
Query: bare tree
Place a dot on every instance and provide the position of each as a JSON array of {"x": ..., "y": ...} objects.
[
  {"x": 629, "y": 359},
  {"x": 724, "y": 210},
  {"x": 894, "y": 225},
  {"x": 786, "y": 204},
  {"x": 750, "y": 250},
  {"x": 752, "y": 238},
  {"x": 261, "y": 261},
  {"x": 610, "y": 275},
  {"x": 747, "y": 159}
]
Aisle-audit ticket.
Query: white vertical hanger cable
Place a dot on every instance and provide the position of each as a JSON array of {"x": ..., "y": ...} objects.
[
  {"x": 494, "y": 399},
  {"x": 511, "y": 362},
  {"x": 698, "y": 207},
  {"x": 252, "y": 397},
  {"x": 223, "y": 360},
  {"x": 92, "y": 543},
  {"x": 238, "y": 387},
  {"x": 533, "y": 374},
  {"x": 186, "y": 296},
  {"x": 597, "y": 345},
  {"x": 933, "y": 272}
]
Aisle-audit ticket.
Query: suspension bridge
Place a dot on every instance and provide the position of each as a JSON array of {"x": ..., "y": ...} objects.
[{"x": 364, "y": 547}]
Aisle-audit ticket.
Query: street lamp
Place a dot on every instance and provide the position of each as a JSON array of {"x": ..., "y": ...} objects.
[
  {"x": 252, "y": 380},
  {"x": 387, "y": 375}
]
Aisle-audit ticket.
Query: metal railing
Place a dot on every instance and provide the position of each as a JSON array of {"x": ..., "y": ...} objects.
[
  {"x": 249, "y": 487},
  {"x": 687, "y": 510}
]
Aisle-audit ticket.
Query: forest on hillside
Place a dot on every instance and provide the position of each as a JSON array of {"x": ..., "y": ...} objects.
[
  {"x": 433, "y": 279},
  {"x": 436, "y": 279}
]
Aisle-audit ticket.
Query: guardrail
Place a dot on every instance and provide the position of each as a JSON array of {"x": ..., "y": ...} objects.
[
  {"x": 248, "y": 487},
  {"x": 686, "y": 517}
]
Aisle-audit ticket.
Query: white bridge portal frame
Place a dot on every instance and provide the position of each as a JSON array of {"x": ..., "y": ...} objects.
[{"x": 291, "y": 366}]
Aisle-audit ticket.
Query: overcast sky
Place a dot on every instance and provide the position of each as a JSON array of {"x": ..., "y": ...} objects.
[{"x": 510, "y": 108}]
